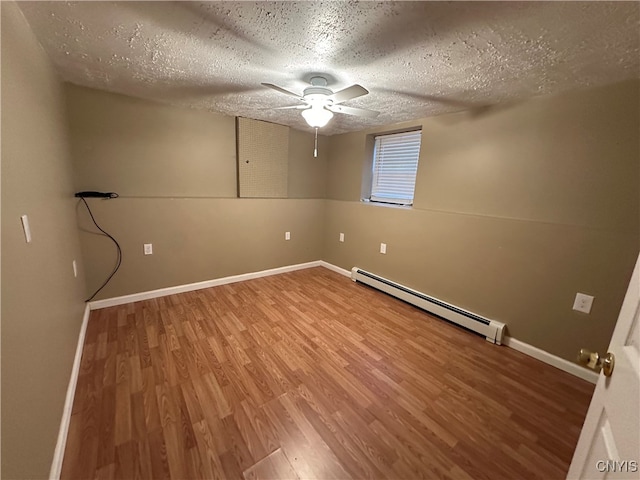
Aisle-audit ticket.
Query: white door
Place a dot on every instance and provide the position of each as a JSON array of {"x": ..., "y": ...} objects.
[{"x": 609, "y": 444}]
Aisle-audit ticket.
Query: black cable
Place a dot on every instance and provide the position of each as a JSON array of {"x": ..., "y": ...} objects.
[{"x": 112, "y": 239}]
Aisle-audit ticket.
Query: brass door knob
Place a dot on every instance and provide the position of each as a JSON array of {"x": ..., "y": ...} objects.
[{"x": 594, "y": 361}]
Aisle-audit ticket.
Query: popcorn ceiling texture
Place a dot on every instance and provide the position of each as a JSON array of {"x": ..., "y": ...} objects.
[{"x": 416, "y": 58}]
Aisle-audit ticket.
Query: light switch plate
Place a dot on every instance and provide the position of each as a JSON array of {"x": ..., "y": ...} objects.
[
  {"x": 287, "y": 235},
  {"x": 26, "y": 228},
  {"x": 341, "y": 237},
  {"x": 148, "y": 249},
  {"x": 383, "y": 248}
]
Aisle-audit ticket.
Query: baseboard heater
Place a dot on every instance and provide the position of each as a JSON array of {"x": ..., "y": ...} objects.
[{"x": 493, "y": 331}]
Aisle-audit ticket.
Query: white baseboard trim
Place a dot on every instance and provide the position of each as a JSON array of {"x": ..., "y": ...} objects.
[
  {"x": 58, "y": 455},
  {"x": 162, "y": 292},
  {"x": 330, "y": 266},
  {"x": 546, "y": 357}
]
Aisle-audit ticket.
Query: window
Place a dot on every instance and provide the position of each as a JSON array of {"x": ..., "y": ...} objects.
[{"x": 395, "y": 164}]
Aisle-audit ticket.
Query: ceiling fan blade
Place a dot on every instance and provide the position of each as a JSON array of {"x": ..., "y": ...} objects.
[
  {"x": 281, "y": 90},
  {"x": 349, "y": 93},
  {"x": 299, "y": 107},
  {"x": 358, "y": 112}
]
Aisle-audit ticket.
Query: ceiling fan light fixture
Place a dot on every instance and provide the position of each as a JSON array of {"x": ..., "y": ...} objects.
[
  {"x": 317, "y": 116},
  {"x": 320, "y": 102}
]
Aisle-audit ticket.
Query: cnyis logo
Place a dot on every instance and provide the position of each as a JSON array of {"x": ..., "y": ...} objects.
[{"x": 617, "y": 466}]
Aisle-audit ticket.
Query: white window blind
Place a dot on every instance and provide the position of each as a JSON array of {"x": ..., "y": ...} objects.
[{"x": 395, "y": 164}]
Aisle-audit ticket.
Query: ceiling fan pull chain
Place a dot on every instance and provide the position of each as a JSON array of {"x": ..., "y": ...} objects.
[{"x": 315, "y": 147}]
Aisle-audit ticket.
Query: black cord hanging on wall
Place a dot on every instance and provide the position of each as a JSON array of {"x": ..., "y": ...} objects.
[{"x": 106, "y": 195}]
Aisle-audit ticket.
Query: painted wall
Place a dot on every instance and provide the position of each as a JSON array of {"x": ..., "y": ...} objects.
[
  {"x": 42, "y": 302},
  {"x": 144, "y": 149},
  {"x": 197, "y": 239},
  {"x": 307, "y": 175},
  {"x": 175, "y": 171},
  {"x": 516, "y": 209}
]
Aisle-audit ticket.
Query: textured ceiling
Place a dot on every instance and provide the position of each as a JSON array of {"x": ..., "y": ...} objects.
[{"x": 417, "y": 59}]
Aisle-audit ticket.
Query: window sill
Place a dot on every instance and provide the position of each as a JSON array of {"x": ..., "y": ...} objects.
[{"x": 383, "y": 204}]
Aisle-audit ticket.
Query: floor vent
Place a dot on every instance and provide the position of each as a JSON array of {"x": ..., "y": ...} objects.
[{"x": 493, "y": 331}]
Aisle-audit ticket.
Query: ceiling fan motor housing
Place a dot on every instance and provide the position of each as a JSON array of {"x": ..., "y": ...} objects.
[
  {"x": 317, "y": 96},
  {"x": 318, "y": 92}
]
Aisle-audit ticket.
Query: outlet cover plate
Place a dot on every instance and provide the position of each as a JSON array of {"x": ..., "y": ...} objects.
[
  {"x": 583, "y": 303},
  {"x": 148, "y": 249}
]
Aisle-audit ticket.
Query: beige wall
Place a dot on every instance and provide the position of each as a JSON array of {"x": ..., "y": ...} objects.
[
  {"x": 171, "y": 166},
  {"x": 144, "y": 149},
  {"x": 516, "y": 210},
  {"x": 42, "y": 302},
  {"x": 197, "y": 239},
  {"x": 307, "y": 174},
  {"x": 140, "y": 148}
]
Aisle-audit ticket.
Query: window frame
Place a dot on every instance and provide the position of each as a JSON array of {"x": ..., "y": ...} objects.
[{"x": 374, "y": 173}]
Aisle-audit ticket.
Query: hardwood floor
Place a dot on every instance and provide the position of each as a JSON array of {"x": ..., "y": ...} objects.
[{"x": 309, "y": 375}]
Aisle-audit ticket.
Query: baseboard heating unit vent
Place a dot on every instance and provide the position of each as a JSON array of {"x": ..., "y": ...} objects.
[{"x": 492, "y": 330}]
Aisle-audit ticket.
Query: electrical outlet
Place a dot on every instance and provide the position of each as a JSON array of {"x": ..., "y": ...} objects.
[
  {"x": 75, "y": 269},
  {"x": 287, "y": 235},
  {"x": 583, "y": 303},
  {"x": 383, "y": 248},
  {"x": 148, "y": 249},
  {"x": 341, "y": 237}
]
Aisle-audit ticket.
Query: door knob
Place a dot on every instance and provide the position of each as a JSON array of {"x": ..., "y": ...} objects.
[{"x": 594, "y": 361}]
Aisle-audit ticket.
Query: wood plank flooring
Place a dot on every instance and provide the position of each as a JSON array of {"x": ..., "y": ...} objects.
[{"x": 309, "y": 375}]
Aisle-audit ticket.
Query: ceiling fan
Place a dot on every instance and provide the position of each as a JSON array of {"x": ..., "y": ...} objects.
[{"x": 320, "y": 102}]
